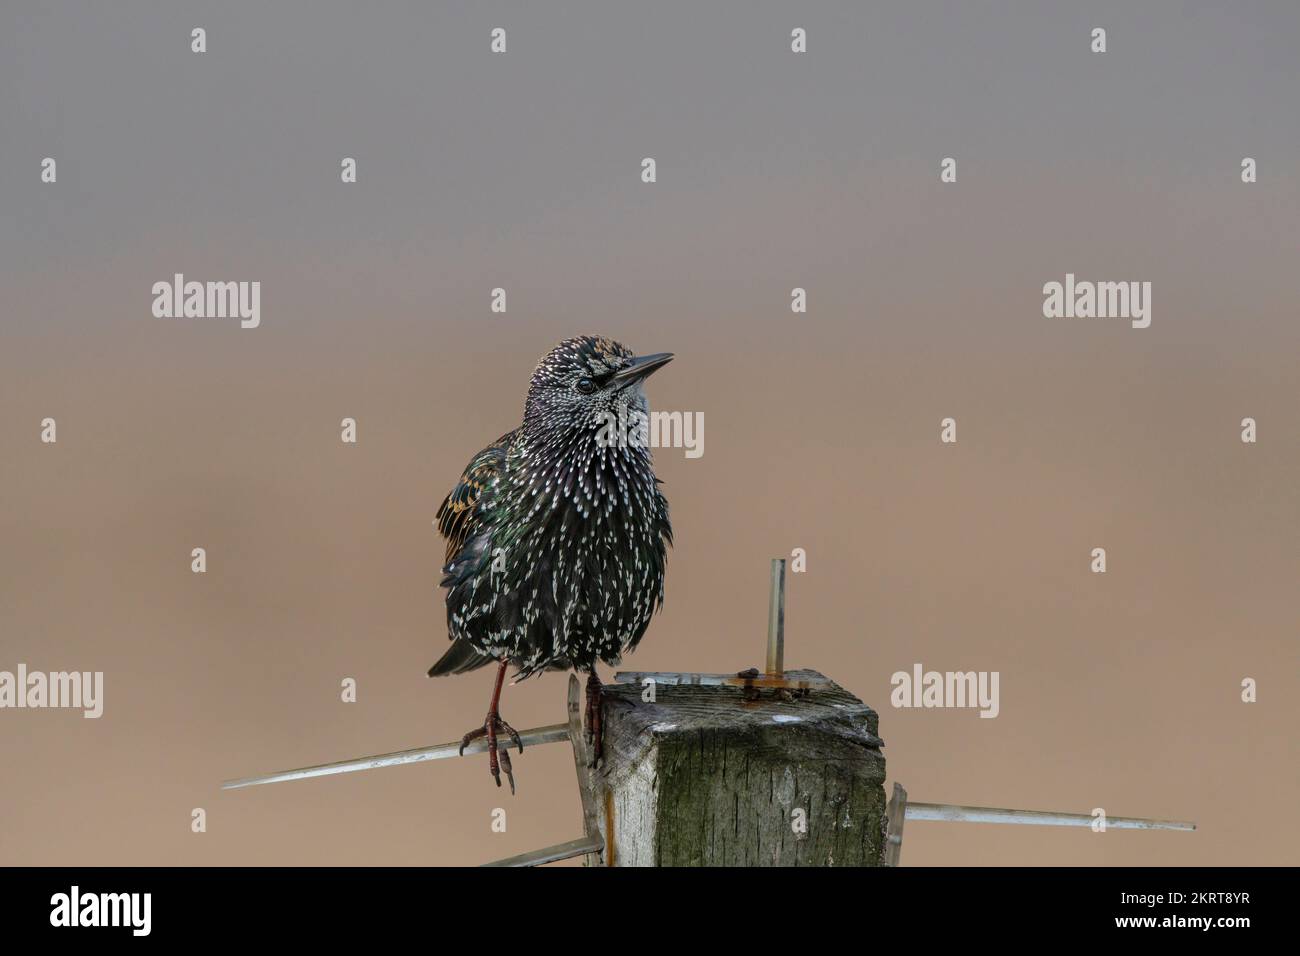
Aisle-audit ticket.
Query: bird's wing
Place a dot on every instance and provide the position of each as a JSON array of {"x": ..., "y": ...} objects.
[{"x": 458, "y": 517}]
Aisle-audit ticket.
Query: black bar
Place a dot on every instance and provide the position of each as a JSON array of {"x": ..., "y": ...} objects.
[{"x": 236, "y": 907}]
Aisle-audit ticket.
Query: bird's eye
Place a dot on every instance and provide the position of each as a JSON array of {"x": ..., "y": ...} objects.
[{"x": 586, "y": 386}]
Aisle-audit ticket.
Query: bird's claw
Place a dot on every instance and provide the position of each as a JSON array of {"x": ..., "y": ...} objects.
[
  {"x": 512, "y": 734},
  {"x": 505, "y": 765},
  {"x": 470, "y": 737},
  {"x": 498, "y": 758}
]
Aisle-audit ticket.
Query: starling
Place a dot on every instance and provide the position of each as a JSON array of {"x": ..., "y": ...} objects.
[{"x": 557, "y": 533}]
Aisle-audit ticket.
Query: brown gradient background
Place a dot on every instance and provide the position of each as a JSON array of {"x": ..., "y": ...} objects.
[{"x": 1118, "y": 690}]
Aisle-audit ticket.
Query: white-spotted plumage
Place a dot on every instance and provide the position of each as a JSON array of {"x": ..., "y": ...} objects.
[{"x": 557, "y": 536}]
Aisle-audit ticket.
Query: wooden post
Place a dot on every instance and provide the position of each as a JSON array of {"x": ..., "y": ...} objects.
[
  {"x": 582, "y": 761},
  {"x": 716, "y": 775}
]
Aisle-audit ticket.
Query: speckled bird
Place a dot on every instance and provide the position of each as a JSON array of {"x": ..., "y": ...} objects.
[{"x": 557, "y": 533}]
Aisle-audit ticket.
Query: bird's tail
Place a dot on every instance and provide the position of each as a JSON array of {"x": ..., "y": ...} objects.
[{"x": 460, "y": 659}]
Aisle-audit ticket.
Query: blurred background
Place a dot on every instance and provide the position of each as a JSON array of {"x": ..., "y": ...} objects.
[{"x": 775, "y": 170}]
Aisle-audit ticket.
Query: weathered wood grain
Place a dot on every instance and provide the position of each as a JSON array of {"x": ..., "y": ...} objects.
[
  {"x": 703, "y": 776},
  {"x": 582, "y": 763}
]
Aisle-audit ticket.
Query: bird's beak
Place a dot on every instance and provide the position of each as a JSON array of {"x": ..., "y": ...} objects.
[{"x": 640, "y": 367}]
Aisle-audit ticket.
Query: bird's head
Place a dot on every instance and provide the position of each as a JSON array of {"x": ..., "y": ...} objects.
[{"x": 584, "y": 383}]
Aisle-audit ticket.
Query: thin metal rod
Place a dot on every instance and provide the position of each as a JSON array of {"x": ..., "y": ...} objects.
[
  {"x": 550, "y": 734},
  {"x": 776, "y": 620},
  {"x": 1047, "y": 818},
  {"x": 671, "y": 679},
  {"x": 550, "y": 854}
]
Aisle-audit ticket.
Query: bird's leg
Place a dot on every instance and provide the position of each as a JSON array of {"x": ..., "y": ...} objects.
[
  {"x": 595, "y": 703},
  {"x": 493, "y": 725}
]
